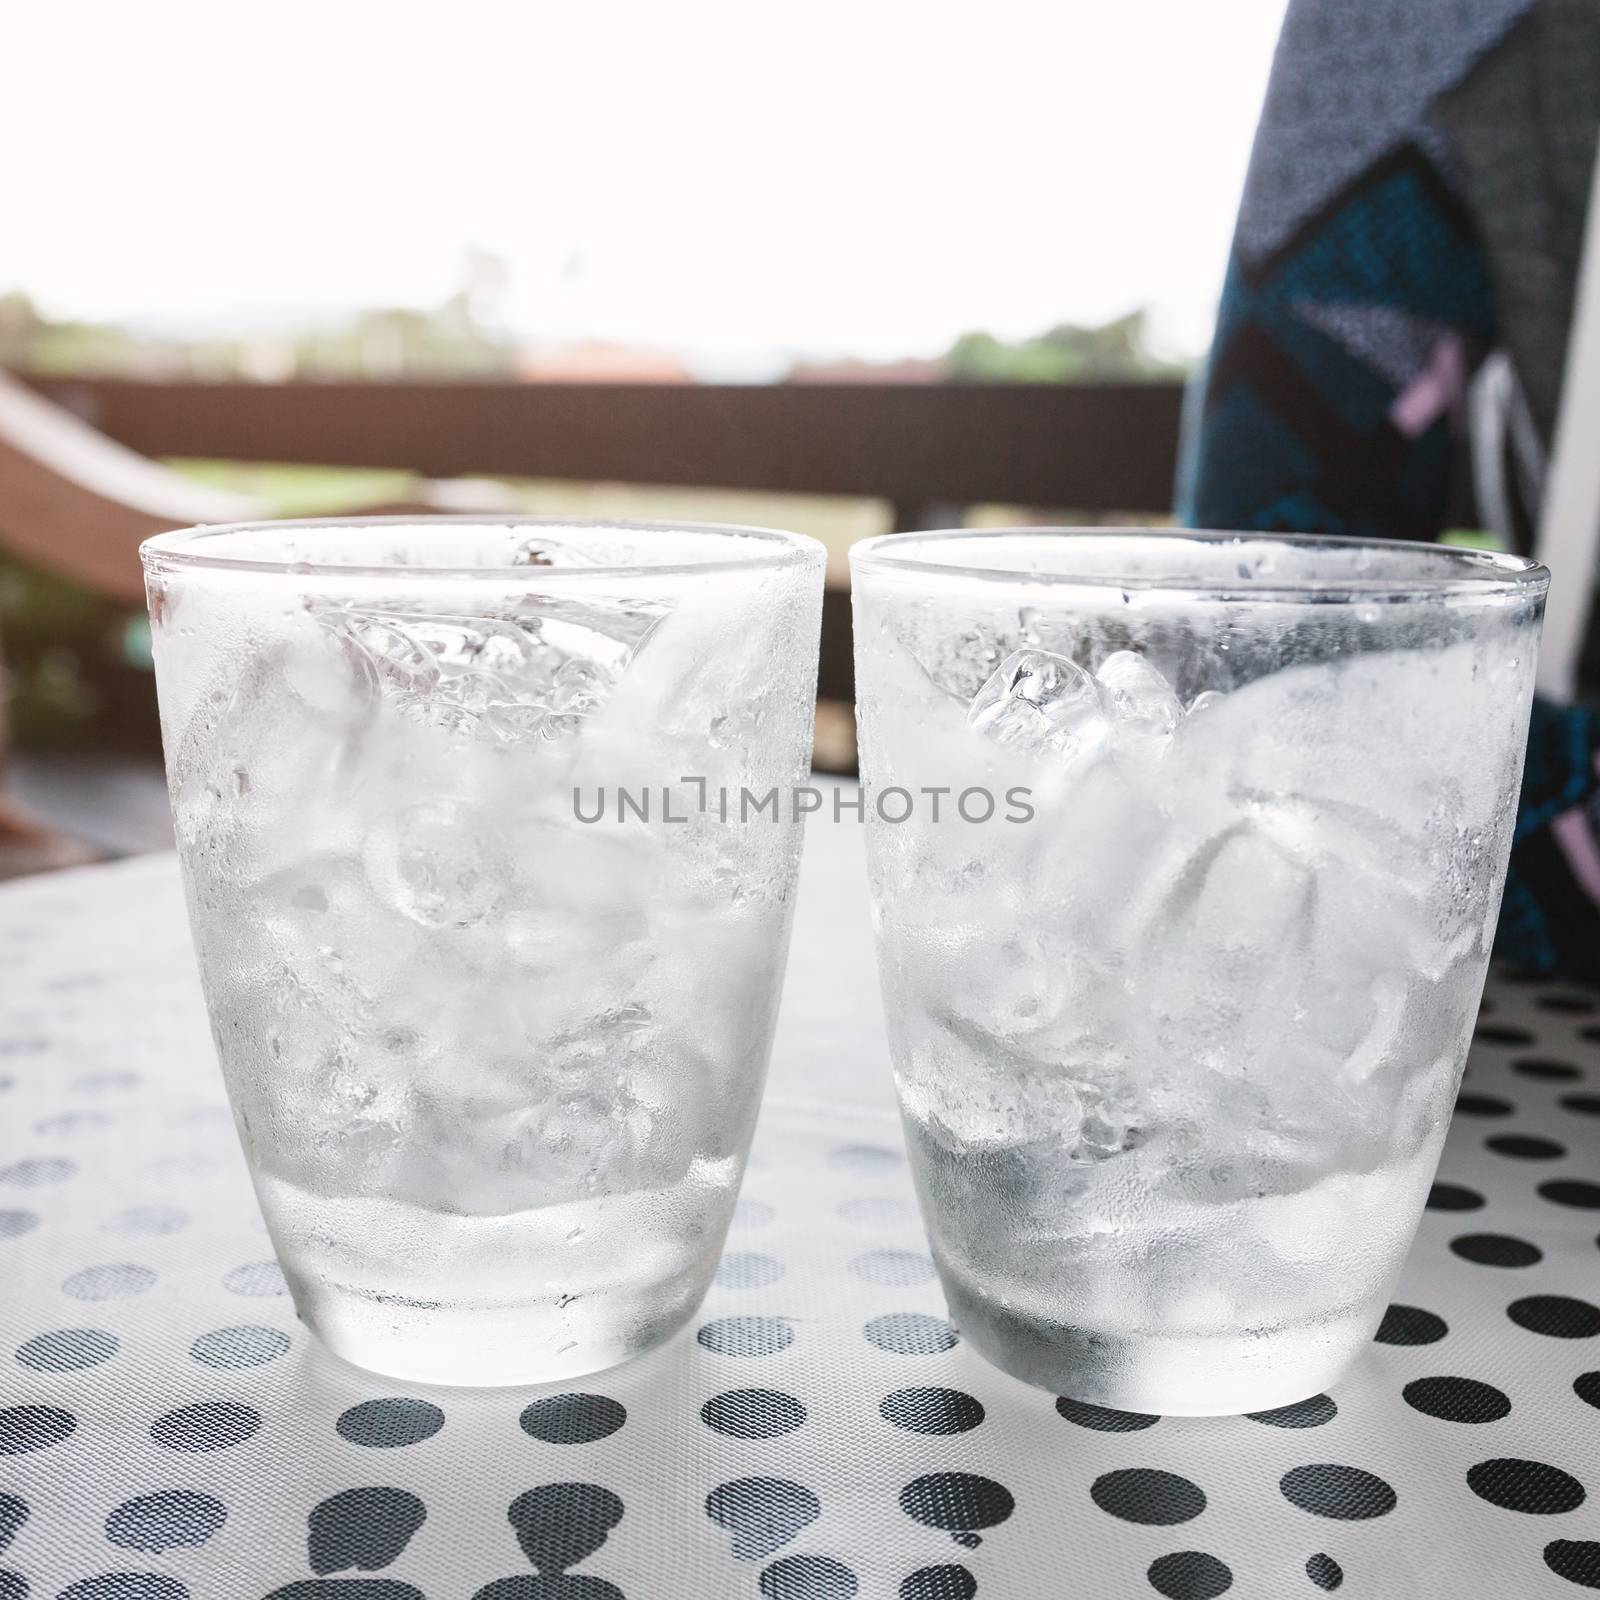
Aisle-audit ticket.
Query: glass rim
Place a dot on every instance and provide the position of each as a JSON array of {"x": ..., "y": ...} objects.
[
  {"x": 1467, "y": 573},
  {"x": 172, "y": 551}
]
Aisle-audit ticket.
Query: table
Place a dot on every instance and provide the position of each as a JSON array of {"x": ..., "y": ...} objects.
[{"x": 168, "y": 1429}]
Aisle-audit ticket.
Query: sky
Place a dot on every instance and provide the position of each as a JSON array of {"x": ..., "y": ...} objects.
[{"x": 728, "y": 180}]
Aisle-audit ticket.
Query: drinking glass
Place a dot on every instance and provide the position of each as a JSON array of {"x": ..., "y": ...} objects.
[
  {"x": 492, "y": 974},
  {"x": 1184, "y": 930}
]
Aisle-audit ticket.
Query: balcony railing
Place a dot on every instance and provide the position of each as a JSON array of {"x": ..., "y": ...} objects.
[
  {"x": 928, "y": 450},
  {"x": 1094, "y": 447}
]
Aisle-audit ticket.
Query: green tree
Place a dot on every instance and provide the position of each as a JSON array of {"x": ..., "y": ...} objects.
[{"x": 1069, "y": 353}]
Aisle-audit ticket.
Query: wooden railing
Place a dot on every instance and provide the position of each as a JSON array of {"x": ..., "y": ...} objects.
[
  {"x": 1094, "y": 447},
  {"x": 927, "y": 449}
]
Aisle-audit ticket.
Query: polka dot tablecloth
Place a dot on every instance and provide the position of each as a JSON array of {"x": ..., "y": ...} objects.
[{"x": 167, "y": 1428}]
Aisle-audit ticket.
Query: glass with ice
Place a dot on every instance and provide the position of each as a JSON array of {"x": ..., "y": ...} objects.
[
  {"x": 491, "y": 972},
  {"x": 1179, "y": 995}
]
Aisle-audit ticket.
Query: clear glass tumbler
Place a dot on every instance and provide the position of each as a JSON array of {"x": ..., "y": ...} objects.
[
  {"x": 1182, "y": 958},
  {"x": 492, "y": 962}
]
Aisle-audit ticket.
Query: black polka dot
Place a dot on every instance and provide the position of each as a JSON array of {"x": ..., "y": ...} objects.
[
  {"x": 369, "y": 1528},
  {"x": 1310, "y": 1413},
  {"x": 1572, "y": 1192},
  {"x": 257, "y": 1279},
  {"x": 1103, "y": 1420},
  {"x": 746, "y": 1336},
  {"x": 1483, "y": 1105},
  {"x": 893, "y": 1268},
  {"x": 171, "y": 1520},
  {"x": 1501, "y": 1033},
  {"x": 1526, "y": 1486},
  {"x": 1566, "y": 1005},
  {"x": 125, "y": 1586},
  {"x": 37, "y": 1172},
  {"x": 146, "y": 1219},
  {"x": 210, "y": 1425},
  {"x": 1144, "y": 1494},
  {"x": 959, "y": 1503},
  {"x": 573, "y": 1418},
  {"x": 1410, "y": 1325},
  {"x": 68, "y": 1349},
  {"x": 25, "y": 1428},
  {"x": 1457, "y": 1399},
  {"x": 1576, "y": 1560},
  {"x": 244, "y": 1346},
  {"x": 1496, "y": 1250},
  {"x": 185, "y": 1164},
  {"x": 1545, "y": 1069},
  {"x": 877, "y": 1211},
  {"x": 13, "y": 1224},
  {"x": 938, "y": 1583},
  {"x": 744, "y": 1269},
  {"x": 1324, "y": 1571},
  {"x": 762, "y": 1514},
  {"x": 115, "y": 1281},
  {"x": 753, "y": 1413},
  {"x": 201, "y": 1117},
  {"x": 931, "y": 1410},
  {"x": 73, "y": 982},
  {"x": 752, "y": 1214},
  {"x": 910, "y": 1333},
  {"x": 1189, "y": 1575},
  {"x": 1327, "y": 1489},
  {"x": 1525, "y": 1147},
  {"x": 105, "y": 1082},
  {"x": 1558, "y": 1316},
  {"x": 1453, "y": 1197},
  {"x": 389, "y": 1424},
  {"x": 1587, "y": 1387},
  {"x": 808, "y": 1578},
  {"x": 69, "y": 1123},
  {"x": 1586, "y": 1105},
  {"x": 864, "y": 1158},
  {"x": 13, "y": 1514}
]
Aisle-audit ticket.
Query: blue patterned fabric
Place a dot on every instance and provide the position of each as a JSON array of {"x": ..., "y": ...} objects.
[
  {"x": 1397, "y": 137},
  {"x": 1296, "y": 429}
]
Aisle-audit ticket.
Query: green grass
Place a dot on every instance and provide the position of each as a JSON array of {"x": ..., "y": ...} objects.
[
  {"x": 291, "y": 491},
  {"x": 300, "y": 491},
  {"x": 1471, "y": 539}
]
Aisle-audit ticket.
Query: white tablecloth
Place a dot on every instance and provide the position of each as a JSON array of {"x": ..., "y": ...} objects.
[{"x": 167, "y": 1428}]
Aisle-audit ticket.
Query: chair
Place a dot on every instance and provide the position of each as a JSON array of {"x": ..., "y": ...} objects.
[{"x": 76, "y": 505}]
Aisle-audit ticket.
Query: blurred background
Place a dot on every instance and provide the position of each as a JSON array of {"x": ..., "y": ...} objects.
[{"x": 840, "y": 271}]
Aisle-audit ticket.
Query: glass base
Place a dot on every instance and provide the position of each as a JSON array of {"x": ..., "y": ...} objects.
[
  {"x": 486, "y": 1346},
  {"x": 1182, "y": 1375}
]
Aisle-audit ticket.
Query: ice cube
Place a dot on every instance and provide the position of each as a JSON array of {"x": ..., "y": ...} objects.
[
  {"x": 1220, "y": 940},
  {"x": 256, "y": 749},
  {"x": 575, "y": 1143},
  {"x": 535, "y": 669},
  {"x": 549, "y": 549},
  {"x": 1147, "y": 711},
  {"x": 1043, "y": 705},
  {"x": 440, "y": 863},
  {"x": 957, "y": 664},
  {"x": 582, "y": 1118},
  {"x": 1203, "y": 701}
]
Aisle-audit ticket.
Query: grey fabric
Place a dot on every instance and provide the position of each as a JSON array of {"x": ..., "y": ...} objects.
[
  {"x": 1522, "y": 128},
  {"x": 1353, "y": 80}
]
